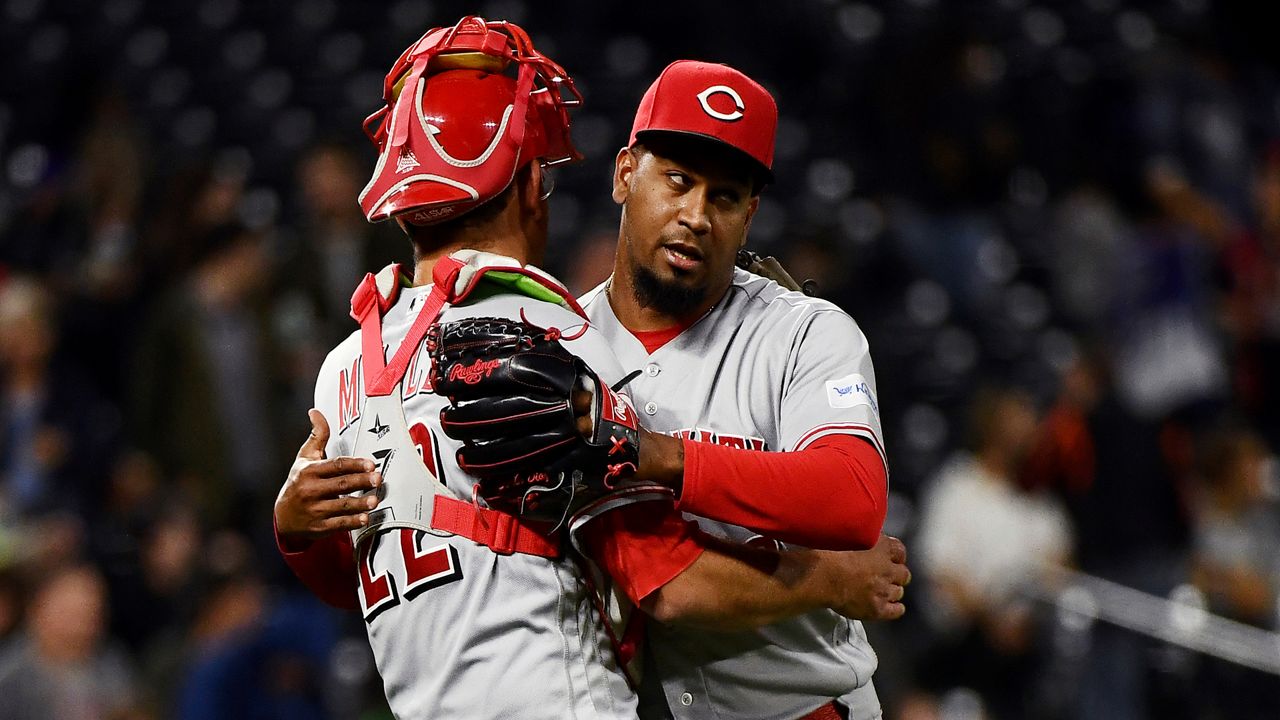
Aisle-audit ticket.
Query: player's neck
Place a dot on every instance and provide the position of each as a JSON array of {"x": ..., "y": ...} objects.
[
  {"x": 512, "y": 246},
  {"x": 516, "y": 231}
]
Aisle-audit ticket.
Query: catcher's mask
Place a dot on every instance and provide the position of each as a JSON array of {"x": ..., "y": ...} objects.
[{"x": 458, "y": 123}]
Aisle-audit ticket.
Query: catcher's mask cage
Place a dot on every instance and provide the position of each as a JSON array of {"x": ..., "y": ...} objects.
[{"x": 456, "y": 126}]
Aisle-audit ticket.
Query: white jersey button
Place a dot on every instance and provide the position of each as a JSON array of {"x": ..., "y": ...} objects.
[
  {"x": 652, "y": 370},
  {"x": 651, "y": 407},
  {"x": 686, "y": 699}
]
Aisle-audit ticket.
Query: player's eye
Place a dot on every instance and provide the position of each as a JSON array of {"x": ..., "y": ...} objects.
[
  {"x": 728, "y": 198},
  {"x": 679, "y": 178}
]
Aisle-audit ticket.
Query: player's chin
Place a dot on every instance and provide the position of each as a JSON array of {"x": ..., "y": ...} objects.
[{"x": 683, "y": 281}]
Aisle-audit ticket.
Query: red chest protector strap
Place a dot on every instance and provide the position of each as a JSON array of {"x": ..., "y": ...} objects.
[
  {"x": 500, "y": 532},
  {"x": 453, "y": 279},
  {"x": 370, "y": 303}
]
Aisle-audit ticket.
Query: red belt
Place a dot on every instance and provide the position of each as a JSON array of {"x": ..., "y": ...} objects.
[{"x": 826, "y": 712}]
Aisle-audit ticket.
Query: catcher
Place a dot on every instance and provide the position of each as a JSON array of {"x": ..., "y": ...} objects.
[{"x": 472, "y": 610}]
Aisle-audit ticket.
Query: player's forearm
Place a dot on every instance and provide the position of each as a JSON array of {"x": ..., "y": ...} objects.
[
  {"x": 832, "y": 495},
  {"x": 661, "y": 460},
  {"x": 743, "y": 588},
  {"x": 325, "y": 566}
]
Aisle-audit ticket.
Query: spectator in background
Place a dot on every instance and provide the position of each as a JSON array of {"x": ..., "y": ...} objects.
[
  {"x": 210, "y": 381},
  {"x": 194, "y": 201},
  {"x": 332, "y": 246},
  {"x": 103, "y": 283},
  {"x": 982, "y": 539},
  {"x": 1122, "y": 478},
  {"x": 1237, "y": 531},
  {"x": 1249, "y": 275},
  {"x": 55, "y": 432},
  {"x": 252, "y": 655},
  {"x": 63, "y": 664},
  {"x": 324, "y": 252}
]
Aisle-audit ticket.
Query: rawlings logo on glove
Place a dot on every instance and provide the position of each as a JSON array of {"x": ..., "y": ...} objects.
[
  {"x": 541, "y": 431},
  {"x": 473, "y": 373}
]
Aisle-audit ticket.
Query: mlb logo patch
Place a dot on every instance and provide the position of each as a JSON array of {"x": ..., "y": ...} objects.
[{"x": 851, "y": 391}]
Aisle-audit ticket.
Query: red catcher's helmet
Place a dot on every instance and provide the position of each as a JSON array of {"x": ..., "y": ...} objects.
[{"x": 456, "y": 126}]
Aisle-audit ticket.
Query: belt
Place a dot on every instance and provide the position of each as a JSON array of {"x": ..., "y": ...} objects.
[{"x": 830, "y": 711}]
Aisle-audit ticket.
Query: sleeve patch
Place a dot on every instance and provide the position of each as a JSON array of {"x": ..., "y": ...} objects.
[{"x": 851, "y": 391}]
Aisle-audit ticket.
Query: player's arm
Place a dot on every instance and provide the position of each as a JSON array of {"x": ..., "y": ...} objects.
[
  {"x": 679, "y": 575},
  {"x": 833, "y": 494},
  {"x": 831, "y": 489},
  {"x": 313, "y": 514},
  {"x": 829, "y": 494}
]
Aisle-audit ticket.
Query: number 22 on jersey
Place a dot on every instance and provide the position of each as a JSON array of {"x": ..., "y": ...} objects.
[{"x": 427, "y": 560}]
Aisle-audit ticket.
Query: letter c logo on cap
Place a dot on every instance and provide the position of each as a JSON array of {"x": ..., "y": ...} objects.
[{"x": 733, "y": 95}]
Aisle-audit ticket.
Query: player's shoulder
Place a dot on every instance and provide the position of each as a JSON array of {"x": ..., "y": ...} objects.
[
  {"x": 515, "y": 306},
  {"x": 594, "y": 295},
  {"x": 578, "y": 334},
  {"x": 343, "y": 354},
  {"x": 766, "y": 300}
]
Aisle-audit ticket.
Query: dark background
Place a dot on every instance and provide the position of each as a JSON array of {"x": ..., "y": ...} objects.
[{"x": 1074, "y": 206}]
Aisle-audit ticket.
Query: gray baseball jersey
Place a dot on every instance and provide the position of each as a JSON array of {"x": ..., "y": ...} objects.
[
  {"x": 457, "y": 630},
  {"x": 765, "y": 369}
]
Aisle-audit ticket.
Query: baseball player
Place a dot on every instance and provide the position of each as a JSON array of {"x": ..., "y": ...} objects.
[
  {"x": 462, "y": 153},
  {"x": 506, "y": 609},
  {"x": 734, "y": 368}
]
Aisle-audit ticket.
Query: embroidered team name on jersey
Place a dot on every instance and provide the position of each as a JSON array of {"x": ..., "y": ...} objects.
[
  {"x": 473, "y": 373},
  {"x": 351, "y": 387},
  {"x": 851, "y": 391},
  {"x": 350, "y": 392},
  {"x": 710, "y": 436}
]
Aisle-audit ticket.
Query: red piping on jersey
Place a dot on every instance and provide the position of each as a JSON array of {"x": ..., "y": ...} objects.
[
  {"x": 866, "y": 432},
  {"x": 830, "y": 495}
]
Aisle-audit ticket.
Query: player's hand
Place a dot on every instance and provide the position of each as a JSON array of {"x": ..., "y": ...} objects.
[
  {"x": 313, "y": 501},
  {"x": 870, "y": 584}
]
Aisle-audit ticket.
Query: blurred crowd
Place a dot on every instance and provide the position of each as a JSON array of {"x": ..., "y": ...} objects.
[{"x": 1058, "y": 224}]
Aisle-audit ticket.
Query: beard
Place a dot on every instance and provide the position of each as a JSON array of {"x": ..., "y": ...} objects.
[{"x": 668, "y": 297}]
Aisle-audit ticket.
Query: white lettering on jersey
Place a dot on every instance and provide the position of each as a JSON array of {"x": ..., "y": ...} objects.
[{"x": 851, "y": 391}]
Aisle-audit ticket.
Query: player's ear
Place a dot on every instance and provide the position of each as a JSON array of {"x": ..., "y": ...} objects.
[
  {"x": 624, "y": 167},
  {"x": 752, "y": 206},
  {"x": 528, "y": 187}
]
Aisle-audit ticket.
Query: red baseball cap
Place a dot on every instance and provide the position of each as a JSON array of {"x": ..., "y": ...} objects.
[{"x": 714, "y": 101}]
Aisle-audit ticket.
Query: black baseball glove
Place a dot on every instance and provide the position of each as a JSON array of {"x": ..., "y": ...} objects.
[{"x": 511, "y": 388}]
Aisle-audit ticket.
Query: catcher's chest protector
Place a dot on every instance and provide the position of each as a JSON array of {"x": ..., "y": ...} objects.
[
  {"x": 410, "y": 495},
  {"x": 458, "y": 629},
  {"x": 408, "y": 491}
]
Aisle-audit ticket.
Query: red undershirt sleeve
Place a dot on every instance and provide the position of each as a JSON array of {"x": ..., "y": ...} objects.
[
  {"x": 642, "y": 546},
  {"x": 831, "y": 495},
  {"x": 326, "y": 567}
]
